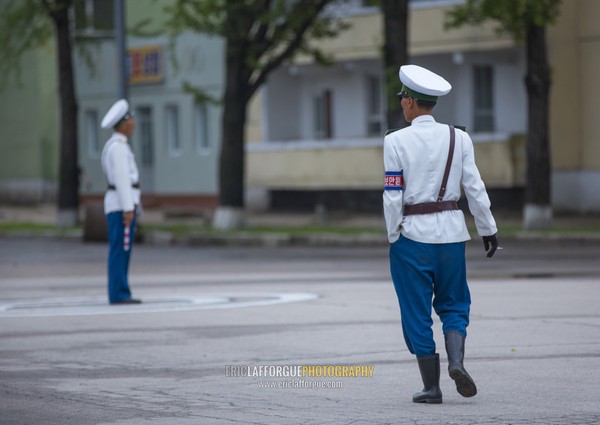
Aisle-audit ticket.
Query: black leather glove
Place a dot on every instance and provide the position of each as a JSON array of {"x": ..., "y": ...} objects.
[{"x": 490, "y": 244}]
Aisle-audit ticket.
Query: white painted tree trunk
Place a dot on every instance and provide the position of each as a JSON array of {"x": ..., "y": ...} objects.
[
  {"x": 536, "y": 217},
  {"x": 227, "y": 218}
]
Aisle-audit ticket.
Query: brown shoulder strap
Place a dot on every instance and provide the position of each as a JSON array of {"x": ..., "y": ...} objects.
[{"x": 448, "y": 164}]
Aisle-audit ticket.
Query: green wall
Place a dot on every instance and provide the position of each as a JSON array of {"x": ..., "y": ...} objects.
[{"x": 29, "y": 114}]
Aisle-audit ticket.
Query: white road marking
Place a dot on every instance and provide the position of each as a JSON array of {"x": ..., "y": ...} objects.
[
  {"x": 137, "y": 279},
  {"x": 87, "y": 306}
]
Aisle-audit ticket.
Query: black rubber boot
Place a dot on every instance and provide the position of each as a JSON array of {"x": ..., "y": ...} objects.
[
  {"x": 455, "y": 347},
  {"x": 429, "y": 366}
]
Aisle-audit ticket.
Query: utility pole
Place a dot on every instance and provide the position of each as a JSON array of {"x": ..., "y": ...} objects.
[{"x": 120, "y": 39}]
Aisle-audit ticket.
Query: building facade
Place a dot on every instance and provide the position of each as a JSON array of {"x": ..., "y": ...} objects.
[
  {"x": 176, "y": 141},
  {"x": 322, "y": 128},
  {"x": 314, "y": 134}
]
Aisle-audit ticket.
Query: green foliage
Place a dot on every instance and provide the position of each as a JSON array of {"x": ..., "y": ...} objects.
[
  {"x": 24, "y": 25},
  {"x": 266, "y": 32},
  {"x": 510, "y": 16},
  {"x": 140, "y": 29},
  {"x": 204, "y": 16},
  {"x": 31, "y": 228},
  {"x": 200, "y": 96}
]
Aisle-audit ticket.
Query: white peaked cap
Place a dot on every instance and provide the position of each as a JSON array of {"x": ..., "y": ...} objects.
[
  {"x": 115, "y": 113},
  {"x": 422, "y": 83}
]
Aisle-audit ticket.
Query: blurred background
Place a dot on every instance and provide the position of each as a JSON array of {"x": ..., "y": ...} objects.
[{"x": 280, "y": 107}]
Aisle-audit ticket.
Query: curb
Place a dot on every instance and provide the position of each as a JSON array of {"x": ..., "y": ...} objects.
[
  {"x": 264, "y": 239},
  {"x": 242, "y": 239},
  {"x": 567, "y": 236}
]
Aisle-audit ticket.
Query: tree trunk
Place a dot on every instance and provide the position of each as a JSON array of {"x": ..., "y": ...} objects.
[
  {"x": 232, "y": 163},
  {"x": 538, "y": 208},
  {"x": 395, "y": 54},
  {"x": 68, "y": 185}
]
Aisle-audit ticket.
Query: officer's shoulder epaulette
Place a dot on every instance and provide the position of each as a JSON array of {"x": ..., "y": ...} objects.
[
  {"x": 391, "y": 130},
  {"x": 461, "y": 127}
]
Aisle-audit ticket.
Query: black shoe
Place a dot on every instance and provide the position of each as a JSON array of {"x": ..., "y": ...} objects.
[
  {"x": 429, "y": 366},
  {"x": 455, "y": 347},
  {"x": 127, "y": 301}
]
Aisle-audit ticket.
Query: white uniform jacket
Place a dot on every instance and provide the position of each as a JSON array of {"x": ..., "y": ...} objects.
[
  {"x": 120, "y": 169},
  {"x": 414, "y": 160}
]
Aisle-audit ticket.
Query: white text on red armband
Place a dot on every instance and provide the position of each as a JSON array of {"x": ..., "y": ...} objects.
[{"x": 394, "y": 180}]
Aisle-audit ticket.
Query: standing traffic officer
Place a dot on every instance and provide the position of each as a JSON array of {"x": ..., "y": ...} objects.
[
  {"x": 425, "y": 166},
  {"x": 121, "y": 200}
]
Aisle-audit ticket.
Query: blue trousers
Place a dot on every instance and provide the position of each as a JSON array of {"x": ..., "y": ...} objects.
[
  {"x": 423, "y": 273},
  {"x": 118, "y": 257}
]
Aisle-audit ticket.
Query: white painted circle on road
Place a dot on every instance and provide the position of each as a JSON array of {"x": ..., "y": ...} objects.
[{"x": 86, "y": 306}]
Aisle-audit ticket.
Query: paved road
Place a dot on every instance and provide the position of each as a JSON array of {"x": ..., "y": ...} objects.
[{"x": 68, "y": 358}]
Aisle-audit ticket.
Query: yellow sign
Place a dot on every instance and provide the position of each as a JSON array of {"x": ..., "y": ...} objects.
[{"x": 145, "y": 65}]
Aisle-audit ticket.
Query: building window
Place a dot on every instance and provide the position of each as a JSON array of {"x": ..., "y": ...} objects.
[
  {"x": 145, "y": 134},
  {"x": 172, "y": 128},
  {"x": 374, "y": 111},
  {"x": 483, "y": 89},
  {"x": 145, "y": 144},
  {"x": 94, "y": 18},
  {"x": 322, "y": 115},
  {"x": 201, "y": 134},
  {"x": 91, "y": 133}
]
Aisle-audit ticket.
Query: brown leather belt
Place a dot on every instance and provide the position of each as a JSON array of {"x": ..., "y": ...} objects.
[
  {"x": 430, "y": 207},
  {"x": 133, "y": 185}
]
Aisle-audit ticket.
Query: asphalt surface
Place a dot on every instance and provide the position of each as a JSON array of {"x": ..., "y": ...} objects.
[{"x": 68, "y": 358}]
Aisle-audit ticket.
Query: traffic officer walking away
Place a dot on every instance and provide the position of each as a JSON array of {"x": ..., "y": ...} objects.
[
  {"x": 120, "y": 200},
  {"x": 425, "y": 165}
]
